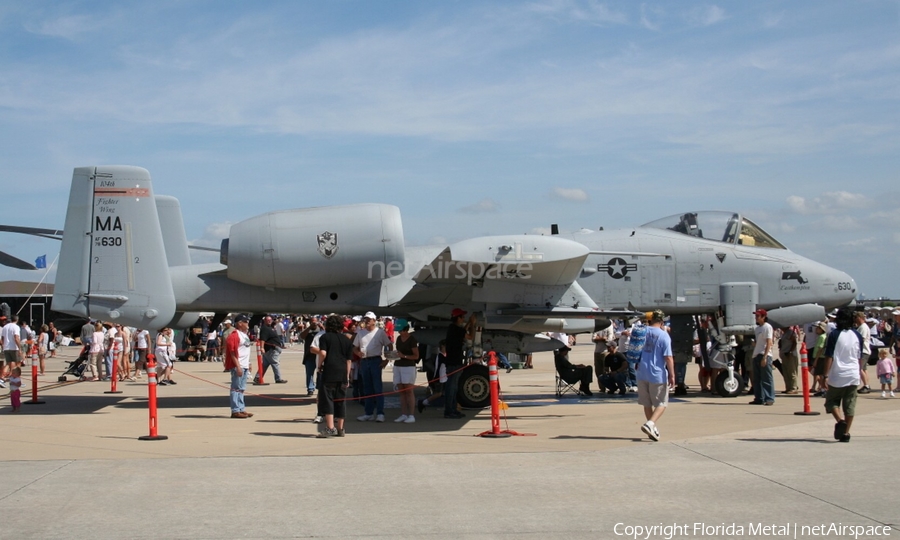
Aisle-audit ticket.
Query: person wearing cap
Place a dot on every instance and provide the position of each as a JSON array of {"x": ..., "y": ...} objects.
[
  {"x": 405, "y": 372},
  {"x": 237, "y": 360},
  {"x": 272, "y": 337},
  {"x": 655, "y": 373},
  {"x": 843, "y": 349},
  {"x": 789, "y": 351},
  {"x": 863, "y": 329},
  {"x": 457, "y": 333},
  {"x": 369, "y": 343},
  {"x": 763, "y": 380},
  {"x": 616, "y": 371},
  {"x": 573, "y": 373}
]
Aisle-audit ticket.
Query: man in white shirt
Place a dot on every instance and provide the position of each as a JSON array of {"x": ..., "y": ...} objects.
[
  {"x": 10, "y": 337},
  {"x": 863, "y": 330},
  {"x": 237, "y": 359},
  {"x": 843, "y": 349},
  {"x": 763, "y": 381},
  {"x": 369, "y": 343}
]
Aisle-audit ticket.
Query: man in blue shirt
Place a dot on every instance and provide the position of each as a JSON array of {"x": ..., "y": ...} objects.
[{"x": 655, "y": 373}]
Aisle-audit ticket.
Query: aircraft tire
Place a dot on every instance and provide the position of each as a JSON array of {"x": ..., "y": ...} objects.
[
  {"x": 729, "y": 390},
  {"x": 474, "y": 387}
]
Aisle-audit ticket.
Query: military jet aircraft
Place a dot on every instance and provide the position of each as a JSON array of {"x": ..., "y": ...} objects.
[{"x": 125, "y": 258}]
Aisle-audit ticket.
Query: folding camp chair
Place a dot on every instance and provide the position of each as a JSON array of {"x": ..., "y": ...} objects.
[{"x": 563, "y": 387}]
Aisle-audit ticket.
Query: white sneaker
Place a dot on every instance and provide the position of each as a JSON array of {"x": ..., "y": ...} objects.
[
  {"x": 379, "y": 418},
  {"x": 651, "y": 430},
  {"x": 892, "y": 393},
  {"x": 318, "y": 419},
  {"x": 410, "y": 420},
  {"x": 366, "y": 418},
  {"x": 884, "y": 394},
  {"x": 401, "y": 418}
]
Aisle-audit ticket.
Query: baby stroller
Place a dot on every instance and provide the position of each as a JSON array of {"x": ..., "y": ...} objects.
[{"x": 76, "y": 367}]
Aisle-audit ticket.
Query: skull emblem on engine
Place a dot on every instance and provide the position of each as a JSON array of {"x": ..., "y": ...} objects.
[{"x": 328, "y": 244}]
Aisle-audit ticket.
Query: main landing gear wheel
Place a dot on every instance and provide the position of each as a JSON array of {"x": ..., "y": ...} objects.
[
  {"x": 474, "y": 387},
  {"x": 729, "y": 387}
]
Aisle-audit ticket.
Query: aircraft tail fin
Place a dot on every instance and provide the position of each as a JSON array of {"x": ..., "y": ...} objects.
[
  {"x": 172, "y": 225},
  {"x": 112, "y": 263}
]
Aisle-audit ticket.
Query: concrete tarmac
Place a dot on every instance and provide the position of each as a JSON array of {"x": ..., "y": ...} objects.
[{"x": 74, "y": 467}]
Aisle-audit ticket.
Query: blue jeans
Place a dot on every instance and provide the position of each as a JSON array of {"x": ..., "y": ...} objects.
[
  {"x": 613, "y": 381},
  {"x": 108, "y": 360},
  {"x": 763, "y": 381},
  {"x": 238, "y": 384},
  {"x": 680, "y": 372},
  {"x": 631, "y": 378},
  {"x": 310, "y": 376},
  {"x": 451, "y": 387},
  {"x": 370, "y": 368},
  {"x": 503, "y": 361},
  {"x": 270, "y": 358}
]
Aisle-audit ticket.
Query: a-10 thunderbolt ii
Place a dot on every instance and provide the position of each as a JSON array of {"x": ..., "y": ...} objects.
[{"x": 125, "y": 258}]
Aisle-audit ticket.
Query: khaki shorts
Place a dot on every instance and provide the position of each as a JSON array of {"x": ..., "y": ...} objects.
[
  {"x": 844, "y": 396},
  {"x": 652, "y": 394},
  {"x": 11, "y": 356}
]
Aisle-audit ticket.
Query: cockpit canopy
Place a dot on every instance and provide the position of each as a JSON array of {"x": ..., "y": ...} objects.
[{"x": 725, "y": 227}]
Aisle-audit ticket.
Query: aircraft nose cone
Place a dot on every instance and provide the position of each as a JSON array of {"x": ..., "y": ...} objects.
[{"x": 845, "y": 290}]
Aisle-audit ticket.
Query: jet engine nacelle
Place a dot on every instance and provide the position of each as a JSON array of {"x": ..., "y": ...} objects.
[{"x": 316, "y": 247}]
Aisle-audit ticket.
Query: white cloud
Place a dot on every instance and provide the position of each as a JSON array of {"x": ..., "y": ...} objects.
[
  {"x": 650, "y": 16},
  {"x": 571, "y": 194},
  {"x": 70, "y": 27},
  {"x": 828, "y": 202},
  {"x": 589, "y": 11},
  {"x": 706, "y": 16},
  {"x": 772, "y": 20},
  {"x": 484, "y": 206},
  {"x": 213, "y": 234}
]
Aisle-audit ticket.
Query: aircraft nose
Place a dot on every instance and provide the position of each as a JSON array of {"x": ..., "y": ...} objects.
[{"x": 845, "y": 290}]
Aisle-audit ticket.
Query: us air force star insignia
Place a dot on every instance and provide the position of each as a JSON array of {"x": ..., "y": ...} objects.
[
  {"x": 328, "y": 244},
  {"x": 617, "y": 268}
]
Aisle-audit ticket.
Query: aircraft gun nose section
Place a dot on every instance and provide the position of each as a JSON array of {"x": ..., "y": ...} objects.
[{"x": 845, "y": 290}]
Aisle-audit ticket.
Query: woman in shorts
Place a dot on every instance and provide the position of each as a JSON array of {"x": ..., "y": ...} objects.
[
  {"x": 163, "y": 361},
  {"x": 405, "y": 373}
]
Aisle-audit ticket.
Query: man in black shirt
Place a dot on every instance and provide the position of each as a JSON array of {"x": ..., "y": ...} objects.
[
  {"x": 334, "y": 352},
  {"x": 572, "y": 373},
  {"x": 617, "y": 370},
  {"x": 457, "y": 334},
  {"x": 272, "y": 338}
]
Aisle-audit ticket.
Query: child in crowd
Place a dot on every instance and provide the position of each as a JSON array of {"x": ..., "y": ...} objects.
[
  {"x": 885, "y": 369},
  {"x": 15, "y": 389}
]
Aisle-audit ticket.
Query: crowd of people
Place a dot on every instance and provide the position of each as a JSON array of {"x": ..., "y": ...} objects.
[{"x": 344, "y": 358}]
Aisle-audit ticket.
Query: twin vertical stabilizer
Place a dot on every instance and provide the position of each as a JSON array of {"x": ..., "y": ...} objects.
[{"x": 112, "y": 264}]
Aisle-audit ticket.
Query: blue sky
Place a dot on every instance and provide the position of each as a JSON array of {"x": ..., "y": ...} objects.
[{"x": 473, "y": 117}]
